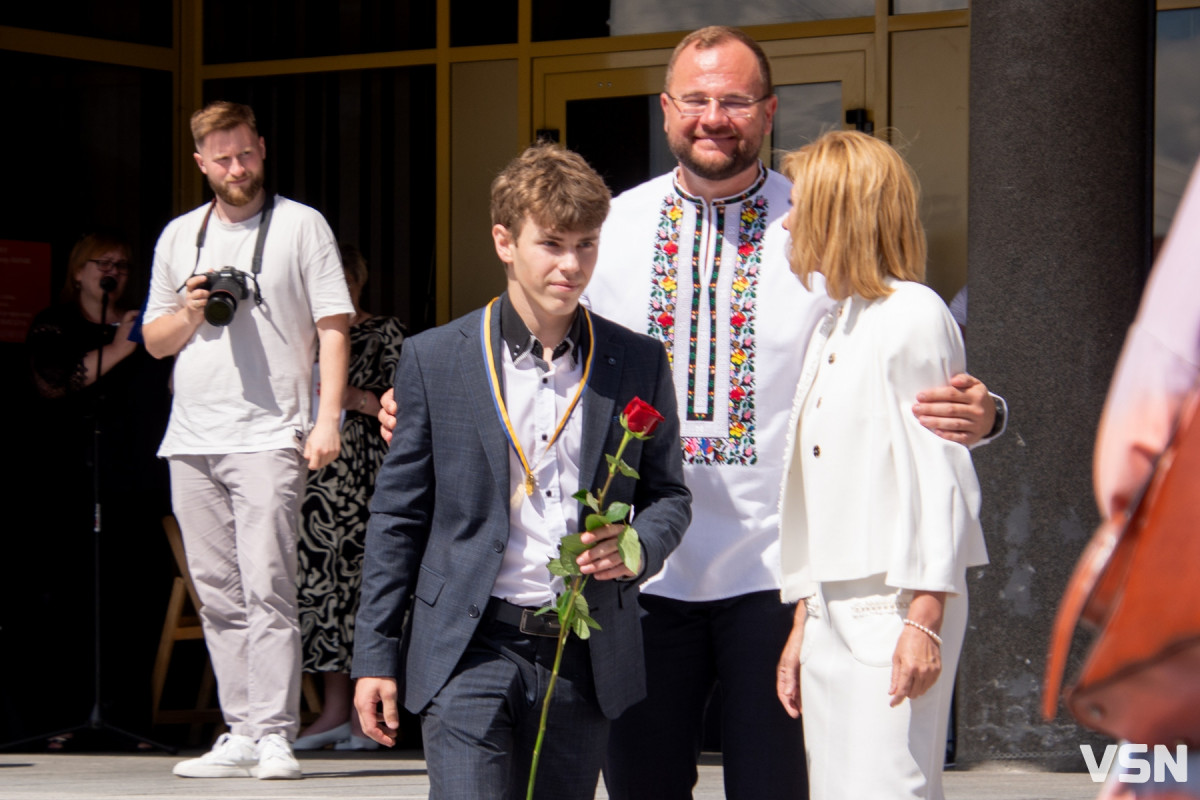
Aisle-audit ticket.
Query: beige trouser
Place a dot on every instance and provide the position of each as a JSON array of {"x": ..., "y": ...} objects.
[{"x": 239, "y": 514}]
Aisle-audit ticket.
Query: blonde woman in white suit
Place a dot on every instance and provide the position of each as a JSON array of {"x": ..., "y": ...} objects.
[{"x": 879, "y": 516}]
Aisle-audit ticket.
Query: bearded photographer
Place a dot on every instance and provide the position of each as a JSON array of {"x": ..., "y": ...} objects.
[{"x": 242, "y": 289}]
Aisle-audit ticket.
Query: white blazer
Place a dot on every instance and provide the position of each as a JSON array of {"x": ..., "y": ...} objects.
[{"x": 868, "y": 490}]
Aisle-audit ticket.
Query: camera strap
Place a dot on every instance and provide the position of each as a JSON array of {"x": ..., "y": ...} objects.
[{"x": 260, "y": 243}]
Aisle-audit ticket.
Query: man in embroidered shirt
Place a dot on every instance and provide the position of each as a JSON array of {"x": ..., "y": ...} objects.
[
  {"x": 696, "y": 259},
  {"x": 242, "y": 433},
  {"x": 504, "y": 414}
]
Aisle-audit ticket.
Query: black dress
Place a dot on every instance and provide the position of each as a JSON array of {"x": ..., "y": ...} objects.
[
  {"x": 131, "y": 403},
  {"x": 333, "y": 525}
]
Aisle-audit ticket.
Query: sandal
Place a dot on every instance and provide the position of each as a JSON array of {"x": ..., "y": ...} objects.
[{"x": 56, "y": 744}]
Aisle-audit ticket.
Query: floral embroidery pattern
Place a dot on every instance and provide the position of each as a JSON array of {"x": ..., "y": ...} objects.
[
  {"x": 663, "y": 283},
  {"x": 738, "y": 447},
  {"x": 699, "y": 292},
  {"x": 751, "y": 229}
]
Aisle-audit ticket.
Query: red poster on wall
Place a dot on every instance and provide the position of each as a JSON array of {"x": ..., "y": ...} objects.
[{"x": 24, "y": 286}]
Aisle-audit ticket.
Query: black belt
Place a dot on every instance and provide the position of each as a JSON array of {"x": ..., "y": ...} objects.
[{"x": 527, "y": 619}]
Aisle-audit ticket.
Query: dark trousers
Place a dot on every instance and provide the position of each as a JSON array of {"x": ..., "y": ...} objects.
[
  {"x": 480, "y": 729},
  {"x": 731, "y": 646}
]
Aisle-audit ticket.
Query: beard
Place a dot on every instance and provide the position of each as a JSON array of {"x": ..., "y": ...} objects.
[
  {"x": 238, "y": 195},
  {"x": 716, "y": 166}
]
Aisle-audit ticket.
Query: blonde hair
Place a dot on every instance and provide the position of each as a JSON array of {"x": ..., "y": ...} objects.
[
  {"x": 854, "y": 215},
  {"x": 552, "y": 186},
  {"x": 87, "y": 248},
  {"x": 221, "y": 115}
]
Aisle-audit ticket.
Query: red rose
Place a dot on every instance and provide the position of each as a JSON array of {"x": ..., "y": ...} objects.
[
  {"x": 736, "y": 393},
  {"x": 737, "y": 320},
  {"x": 666, "y": 320},
  {"x": 670, "y": 248},
  {"x": 640, "y": 417}
]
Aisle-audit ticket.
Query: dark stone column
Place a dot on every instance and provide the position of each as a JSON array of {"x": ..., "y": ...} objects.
[{"x": 1059, "y": 166}]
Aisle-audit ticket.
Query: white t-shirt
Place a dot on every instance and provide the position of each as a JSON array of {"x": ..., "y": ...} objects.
[
  {"x": 747, "y": 353},
  {"x": 247, "y": 387}
]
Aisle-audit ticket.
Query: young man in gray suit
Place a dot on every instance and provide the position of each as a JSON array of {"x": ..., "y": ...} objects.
[{"x": 503, "y": 415}]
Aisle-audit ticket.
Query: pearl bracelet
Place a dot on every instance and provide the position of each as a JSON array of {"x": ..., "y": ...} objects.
[{"x": 924, "y": 630}]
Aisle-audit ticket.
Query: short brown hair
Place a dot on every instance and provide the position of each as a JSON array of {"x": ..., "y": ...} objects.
[
  {"x": 714, "y": 35},
  {"x": 221, "y": 115},
  {"x": 87, "y": 248},
  {"x": 854, "y": 215},
  {"x": 552, "y": 186}
]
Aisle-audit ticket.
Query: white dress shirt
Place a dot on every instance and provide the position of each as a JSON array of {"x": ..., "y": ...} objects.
[{"x": 538, "y": 390}]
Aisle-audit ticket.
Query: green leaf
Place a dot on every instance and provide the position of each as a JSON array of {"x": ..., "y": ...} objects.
[
  {"x": 581, "y": 605},
  {"x": 616, "y": 511},
  {"x": 594, "y": 521},
  {"x": 588, "y": 499},
  {"x": 583, "y": 625},
  {"x": 563, "y": 569},
  {"x": 630, "y": 547},
  {"x": 627, "y": 471},
  {"x": 563, "y": 606},
  {"x": 570, "y": 547}
]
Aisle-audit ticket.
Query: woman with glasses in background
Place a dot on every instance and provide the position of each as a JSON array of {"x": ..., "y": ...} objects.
[
  {"x": 68, "y": 340},
  {"x": 88, "y": 375}
]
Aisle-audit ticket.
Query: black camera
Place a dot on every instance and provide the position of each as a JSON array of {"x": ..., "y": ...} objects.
[{"x": 225, "y": 288}]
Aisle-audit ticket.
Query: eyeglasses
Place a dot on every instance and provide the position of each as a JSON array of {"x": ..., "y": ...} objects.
[
  {"x": 733, "y": 107},
  {"x": 107, "y": 264}
]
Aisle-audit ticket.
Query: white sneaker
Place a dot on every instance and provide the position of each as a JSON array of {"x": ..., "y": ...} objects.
[
  {"x": 231, "y": 757},
  {"x": 275, "y": 760}
]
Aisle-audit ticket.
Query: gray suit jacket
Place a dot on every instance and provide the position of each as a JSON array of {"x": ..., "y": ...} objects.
[{"x": 440, "y": 515}]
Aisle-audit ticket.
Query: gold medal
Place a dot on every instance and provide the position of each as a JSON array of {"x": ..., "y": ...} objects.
[{"x": 498, "y": 398}]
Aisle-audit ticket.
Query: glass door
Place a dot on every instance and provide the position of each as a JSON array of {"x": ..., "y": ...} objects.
[{"x": 612, "y": 115}]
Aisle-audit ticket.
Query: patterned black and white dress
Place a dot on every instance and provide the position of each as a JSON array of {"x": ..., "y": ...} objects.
[{"x": 334, "y": 516}]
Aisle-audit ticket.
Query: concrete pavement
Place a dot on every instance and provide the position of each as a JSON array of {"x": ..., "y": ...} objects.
[{"x": 394, "y": 775}]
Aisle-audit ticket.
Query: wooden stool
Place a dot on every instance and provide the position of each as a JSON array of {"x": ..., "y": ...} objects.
[{"x": 183, "y": 624}]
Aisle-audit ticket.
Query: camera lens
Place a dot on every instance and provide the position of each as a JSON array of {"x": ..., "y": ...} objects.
[
  {"x": 226, "y": 289},
  {"x": 220, "y": 308}
]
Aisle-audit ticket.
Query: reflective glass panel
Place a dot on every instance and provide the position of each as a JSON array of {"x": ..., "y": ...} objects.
[
  {"x": 235, "y": 30},
  {"x": 806, "y": 110},
  {"x": 1176, "y": 112},
  {"x": 621, "y": 137},
  {"x": 358, "y": 146},
  {"x": 577, "y": 19},
  {"x": 94, "y": 154},
  {"x": 138, "y": 21},
  {"x": 475, "y": 23},
  {"x": 918, "y": 6}
]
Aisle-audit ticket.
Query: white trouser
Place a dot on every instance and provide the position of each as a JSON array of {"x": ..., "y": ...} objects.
[
  {"x": 239, "y": 515},
  {"x": 857, "y": 745}
]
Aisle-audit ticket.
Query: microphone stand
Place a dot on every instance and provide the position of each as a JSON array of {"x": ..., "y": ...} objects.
[{"x": 96, "y": 721}]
